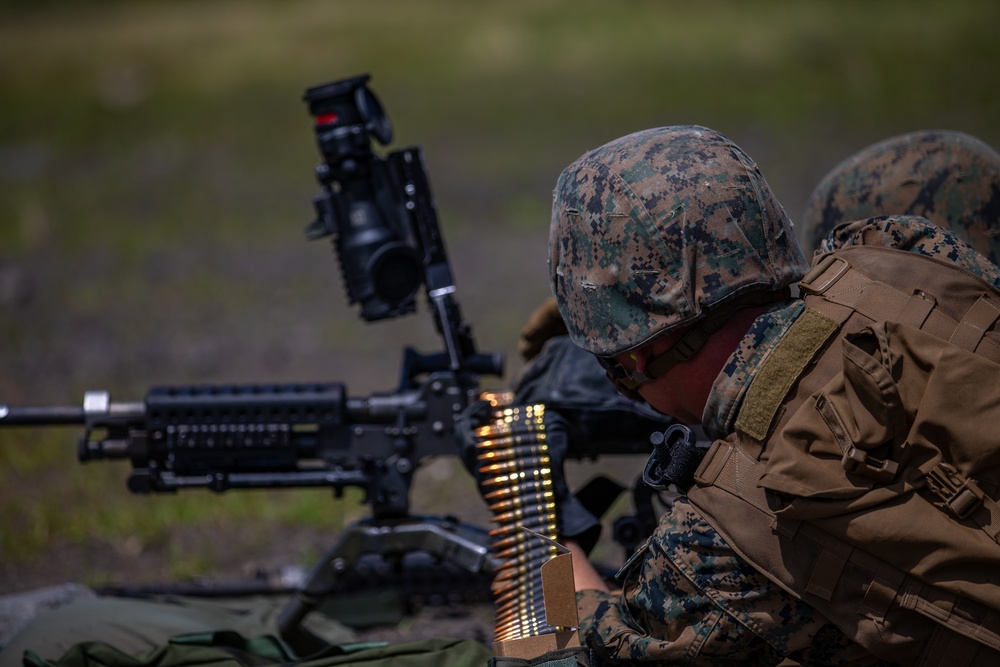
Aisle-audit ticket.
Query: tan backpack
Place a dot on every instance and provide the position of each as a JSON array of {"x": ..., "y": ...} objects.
[{"x": 865, "y": 467}]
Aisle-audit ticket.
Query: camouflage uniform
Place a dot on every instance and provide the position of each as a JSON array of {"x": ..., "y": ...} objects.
[
  {"x": 950, "y": 178},
  {"x": 626, "y": 217},
  {"x": 687, "y": 597}
]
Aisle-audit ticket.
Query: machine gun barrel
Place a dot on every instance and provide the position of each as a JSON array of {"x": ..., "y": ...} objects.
[
  {"x": 56, "y": 415},
  {"x": 97, "y": 407}
]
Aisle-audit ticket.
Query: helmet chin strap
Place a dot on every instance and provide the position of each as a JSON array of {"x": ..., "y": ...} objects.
[{"x": 629, "y": 381}]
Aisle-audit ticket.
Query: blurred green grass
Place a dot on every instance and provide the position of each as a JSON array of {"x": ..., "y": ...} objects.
[{"x": 155, "y": 175}]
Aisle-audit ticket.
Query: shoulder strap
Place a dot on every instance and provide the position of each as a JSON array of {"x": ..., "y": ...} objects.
[{"x": 836, "y": 281}]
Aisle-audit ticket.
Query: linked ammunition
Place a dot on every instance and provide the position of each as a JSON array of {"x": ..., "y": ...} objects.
[
  {"x": 522, "y": 514},
  {"x": 516, "y": 481},
  {"x": 525, "y": 500},
  {"x": 527, "y": 486},
  {"x": 515, "y": 451},
  {"x": 543, "y": 523},
  {"x": 515, "y": 465},
  {"x": 520, "y": 439},
  {"x": 527, "y": 551},
  {"x": 517, "y": 477}
]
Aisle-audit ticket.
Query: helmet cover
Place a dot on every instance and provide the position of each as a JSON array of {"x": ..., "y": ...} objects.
[
  {"x": 652, "y": 231},
  {"x": 948, "y": 177}
]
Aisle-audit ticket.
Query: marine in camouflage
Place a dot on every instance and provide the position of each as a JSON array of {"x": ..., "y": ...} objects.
[
  {"x": 948, "y": 177},
  {"x": 652, "y": 231},
  {"x": 687, "y": 598}
]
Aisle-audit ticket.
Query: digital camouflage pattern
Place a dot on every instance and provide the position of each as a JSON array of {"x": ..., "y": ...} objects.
[
  {"x": 744, "y": 363},
  {"x": 915, "y": 234},
  {"x": 948, "y": 177},
  {"x": 651, "y": 231},
  {"x": 687, "y": 598}
]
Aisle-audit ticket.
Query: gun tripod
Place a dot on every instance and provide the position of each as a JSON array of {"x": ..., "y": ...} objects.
[{"x": 442, "y": 538}]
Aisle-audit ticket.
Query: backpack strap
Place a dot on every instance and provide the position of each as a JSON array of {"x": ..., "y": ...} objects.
[
  {"x": 970, "y": 331},
  {"x": 963, "y": 498},
  {"x": 837, "y": 282},
  {"x": 960, "y": 616}
]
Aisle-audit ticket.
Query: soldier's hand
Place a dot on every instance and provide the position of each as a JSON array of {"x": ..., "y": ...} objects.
[{"x": 544, "y": 323}]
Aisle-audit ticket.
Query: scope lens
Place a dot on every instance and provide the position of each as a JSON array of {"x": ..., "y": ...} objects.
[{"x": 396, "y": 273}]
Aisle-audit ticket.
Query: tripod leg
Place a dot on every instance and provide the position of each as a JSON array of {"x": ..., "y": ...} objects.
[{"x": 439, "y": 537}]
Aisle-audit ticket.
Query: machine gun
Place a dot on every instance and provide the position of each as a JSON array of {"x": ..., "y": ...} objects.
[{"x": 381, "y": 216}]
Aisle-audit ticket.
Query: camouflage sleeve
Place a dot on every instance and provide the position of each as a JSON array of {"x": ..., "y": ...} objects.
[
  {"x": 914, "y": 234},
  {"x": 687, "y": 598}
]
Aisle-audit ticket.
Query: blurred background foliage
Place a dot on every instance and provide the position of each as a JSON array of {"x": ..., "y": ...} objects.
[{"x": 156, "y": 174}]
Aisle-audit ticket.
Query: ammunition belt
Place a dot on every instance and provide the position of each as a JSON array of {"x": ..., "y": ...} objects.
[{"x": 516, "y": 481}]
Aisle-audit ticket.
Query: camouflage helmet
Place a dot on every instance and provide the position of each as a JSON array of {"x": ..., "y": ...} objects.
[
  {"x": 948, "y": 177},
  {"x": 657, "y": 230}
]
